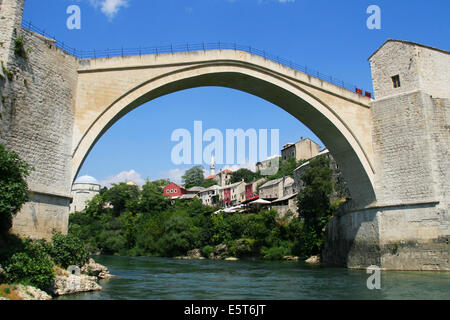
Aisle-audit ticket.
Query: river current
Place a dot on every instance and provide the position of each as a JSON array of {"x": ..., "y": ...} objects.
[{"x": 146, "y": 278}]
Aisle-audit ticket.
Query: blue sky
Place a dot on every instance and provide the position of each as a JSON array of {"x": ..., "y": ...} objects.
[{"x": 329, "y": 36}]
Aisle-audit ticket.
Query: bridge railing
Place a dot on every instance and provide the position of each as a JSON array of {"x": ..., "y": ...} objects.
[{"x": 189, "y": 47}]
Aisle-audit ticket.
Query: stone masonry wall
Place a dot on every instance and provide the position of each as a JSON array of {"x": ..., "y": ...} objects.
[
  {"x": 37, "y": 112},
  {"x": 403, "y": 149},
  {"x": 419, "y": 68}
]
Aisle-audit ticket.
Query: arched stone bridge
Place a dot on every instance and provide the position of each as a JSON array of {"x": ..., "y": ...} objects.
[
  {"x": 108, "y": 88},
  {"x": 393, "y": 151}
]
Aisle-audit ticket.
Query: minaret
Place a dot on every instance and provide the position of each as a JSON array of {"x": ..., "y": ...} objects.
[{"x": 212, "y": 167}]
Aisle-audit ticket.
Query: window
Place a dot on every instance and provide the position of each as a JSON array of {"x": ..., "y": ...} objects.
[{"x": 396, "y": 81}]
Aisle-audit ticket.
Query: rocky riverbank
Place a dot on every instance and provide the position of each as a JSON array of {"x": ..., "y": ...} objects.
[
  {"x": 222, "y": 252},
  {"x": 84, "y": 279}
]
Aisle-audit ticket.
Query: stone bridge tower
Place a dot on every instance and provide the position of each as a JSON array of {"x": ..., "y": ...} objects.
[{"x": 409, "y": 225}]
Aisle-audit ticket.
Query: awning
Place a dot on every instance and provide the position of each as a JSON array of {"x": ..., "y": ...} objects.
[{"x": 259, "y": 201}]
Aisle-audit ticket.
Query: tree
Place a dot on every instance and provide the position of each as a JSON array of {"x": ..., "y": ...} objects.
[
  {"x": 314, "y": 204},
  {"x": 244, "y": 174},
  {"x": 120, "y": 196},
  {"x": 208, "y": 183},
  {"x": 286, "y": 169},
  {"x": 152, "y": 199},
  {"x": 13, "y": 186},
  {"x": 193, "y": 177},
  {"x": 314, "y": 199}
]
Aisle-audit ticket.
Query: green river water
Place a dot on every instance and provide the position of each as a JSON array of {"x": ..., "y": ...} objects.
[{"x": 147, "y": 278}]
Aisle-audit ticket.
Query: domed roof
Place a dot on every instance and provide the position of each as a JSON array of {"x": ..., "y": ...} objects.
[{"x": 86, "y": 180}]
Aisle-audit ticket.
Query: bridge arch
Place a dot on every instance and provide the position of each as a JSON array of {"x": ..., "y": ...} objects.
[{"x": 327, "y": 114}]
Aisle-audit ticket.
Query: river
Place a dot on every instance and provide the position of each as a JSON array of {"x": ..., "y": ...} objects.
[{"x": 146, "y": 278}]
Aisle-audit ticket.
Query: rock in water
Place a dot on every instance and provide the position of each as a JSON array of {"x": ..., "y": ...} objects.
[
  {"x": 313, "y": 259},
  {"x": 95, "y": 269},
  {"x": 231, "y": 259},
  {"x": 195, "y": 254},
  {"x": 64, "y": 284},
  {"x": 291, "y": 258}
]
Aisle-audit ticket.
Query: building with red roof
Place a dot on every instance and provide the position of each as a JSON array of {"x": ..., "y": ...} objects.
[{"x": 174, "y": 191}]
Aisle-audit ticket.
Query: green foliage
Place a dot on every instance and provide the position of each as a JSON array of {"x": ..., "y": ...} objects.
[
  {"x": 31, "y": 266},
  {"x": 275, "y": 253},
  {"x": 68, "y": 250},
  {"x": 151, "y": 225},
  {"x": 208, "y": 183},
  {"x": 9, "y": 74},
  {"x": 19, "y": 46},
  {"x": 286, "y": 169},
  {"x": 152, "y": 198},
  {"x": 193, "y": 177},
  {"x": 121, "y": 196},
  {"x": 130, "y": 229},
  {"x": 207, "y": 250},
  {"x": 244, "y": 174},
  {"x": 13, "y": 186},
  {"x": 314, "y": 205}
]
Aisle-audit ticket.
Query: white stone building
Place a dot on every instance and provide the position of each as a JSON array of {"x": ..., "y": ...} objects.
[
  {"x": 83, "y": 190},
  {"x": 210, "y": 196},
  {"x": 300, "y": 150},
  {"x": 274, "y": 189}
]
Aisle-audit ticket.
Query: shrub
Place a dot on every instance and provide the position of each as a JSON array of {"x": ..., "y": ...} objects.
[
  {"x": 68, "y": 250},
  {"x": 33, "y": 266},
  {"x": 207, "y": 250},
  {"x": 13, "y": 186},
  {"x": 275, "y": 253},
  {"x": 242, "y": 247},
  {"x": 19, "y": 46}
]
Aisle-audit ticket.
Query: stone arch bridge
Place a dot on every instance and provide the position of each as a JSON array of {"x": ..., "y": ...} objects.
[{"x": 393, "y": 151}]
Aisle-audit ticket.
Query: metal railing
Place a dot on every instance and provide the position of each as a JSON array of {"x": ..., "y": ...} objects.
[{"x": 188, "y": 47}]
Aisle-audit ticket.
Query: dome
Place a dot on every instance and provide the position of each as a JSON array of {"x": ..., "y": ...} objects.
[{"x": 86, "y": 180}]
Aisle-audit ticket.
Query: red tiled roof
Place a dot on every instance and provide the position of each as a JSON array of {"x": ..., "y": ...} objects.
[{"x": 210, "y": 177}]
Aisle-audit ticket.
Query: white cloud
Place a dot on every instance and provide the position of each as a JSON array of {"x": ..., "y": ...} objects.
[
  {"x": 109, "y": 7},
  {"x": 173, "y": 175},
  {"x": 124, "y": 176},
  {"x": 247, "y": 165}
]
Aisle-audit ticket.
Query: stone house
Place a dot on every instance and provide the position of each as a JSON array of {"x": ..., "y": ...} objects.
[
  {"x": 223, "y": 178},
  {"x": 210, "y": 196},
  {"x": 285, "y": 204},
  {"x": 232, "y": 194},
  {"x": 274, "y": 189},
  {"x": 301, "y": 150}
]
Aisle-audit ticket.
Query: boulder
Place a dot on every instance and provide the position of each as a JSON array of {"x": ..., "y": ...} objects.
[
  {"x": 66, "y": 283},
  {"x": 195, "y": 254},
  {"x": 313, "y": 259},
  {"x": 31, "y": 293},
  {"x": 95, "y": 269},
  {"x": 290, "y": 258},
  {"x": 231, "y": 259},
  {"x": 220, "y": 249},
  {"x": 219, "y": 253}
]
